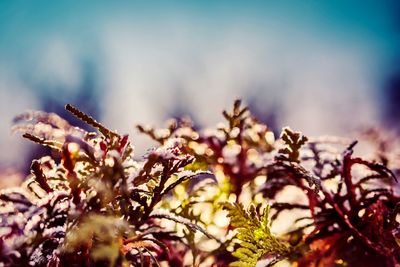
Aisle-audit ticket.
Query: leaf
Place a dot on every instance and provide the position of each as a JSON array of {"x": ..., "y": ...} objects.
[
  {"x": 42, "y": 141},
  {"x": 43, "y": 117},
  {"x": 90, "y": 121},
  {"x": 165, "y": 214},
  {"x": 237, "y": 116},
  {"x": 40, "y": 178},
  {"x": 255, "y": 238},
  {"x": 294, "y": 141},
  {"x": 189, "y": 175}
]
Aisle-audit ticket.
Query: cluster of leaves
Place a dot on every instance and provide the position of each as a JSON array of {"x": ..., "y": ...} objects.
[
  {"x": 254, "y": 234},
  {"x": 349, "y": 208},
  {"x": 97, "y": 207},
  {"x": 200, "y": 198}
]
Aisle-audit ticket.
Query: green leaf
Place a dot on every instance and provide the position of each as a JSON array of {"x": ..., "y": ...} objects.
[{"x": 254, "y": 236}]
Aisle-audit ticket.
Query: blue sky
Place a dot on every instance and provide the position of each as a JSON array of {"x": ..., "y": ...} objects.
[
  {"x": 27, "y": 24},
  {"x": 307, "y": 59}
]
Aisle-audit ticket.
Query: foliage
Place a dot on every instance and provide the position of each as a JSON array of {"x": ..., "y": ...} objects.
[
  {"x": 256, "y": 239},
  {"x": 294, "y": 141},
  {"x": 208, "y": 197},
  {"x": 97, "y": 206}
]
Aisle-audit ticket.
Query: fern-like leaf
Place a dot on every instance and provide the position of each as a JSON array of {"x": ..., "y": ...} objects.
[
  {"x": 41, "y": 141},
  {"x": 294, "y": 141},
  {"x": 255, "y": 238},
  {"x": 237, "y": 115},
  {"x": 90, "y": 121}
]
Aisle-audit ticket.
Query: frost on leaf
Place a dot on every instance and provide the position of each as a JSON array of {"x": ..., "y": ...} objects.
[{"x": 94, "y": 204}]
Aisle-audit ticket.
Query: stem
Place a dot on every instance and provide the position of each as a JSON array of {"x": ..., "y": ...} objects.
[
  {"x": 353, "y": 229},
  {"x": 157, "y": 191},
  {"x": 347, "y": 164}
]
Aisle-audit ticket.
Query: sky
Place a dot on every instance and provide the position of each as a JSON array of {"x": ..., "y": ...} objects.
[{"x": 323, "y": 67}]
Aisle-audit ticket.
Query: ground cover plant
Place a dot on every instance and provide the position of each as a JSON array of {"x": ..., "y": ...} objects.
[{"x": 200, "y": 197}]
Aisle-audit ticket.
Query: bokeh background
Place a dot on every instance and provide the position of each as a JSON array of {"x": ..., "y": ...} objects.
[{"x": 323, "y": 67}]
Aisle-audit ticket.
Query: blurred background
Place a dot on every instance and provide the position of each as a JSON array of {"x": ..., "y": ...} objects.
[{"x": 322, "y": 67}]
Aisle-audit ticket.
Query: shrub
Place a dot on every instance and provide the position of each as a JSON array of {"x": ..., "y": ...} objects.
[{"x": 199, "y": 198}]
